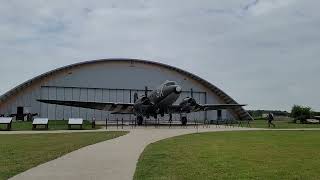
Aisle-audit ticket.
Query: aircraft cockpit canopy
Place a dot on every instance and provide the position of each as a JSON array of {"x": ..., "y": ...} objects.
[{"x": 170, "y": 83}]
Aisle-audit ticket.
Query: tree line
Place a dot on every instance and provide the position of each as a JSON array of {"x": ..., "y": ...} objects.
[{"x": 298, "y": 113}]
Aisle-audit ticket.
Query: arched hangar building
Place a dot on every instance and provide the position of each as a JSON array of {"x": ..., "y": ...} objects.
[{"x": 110, "y": 80}]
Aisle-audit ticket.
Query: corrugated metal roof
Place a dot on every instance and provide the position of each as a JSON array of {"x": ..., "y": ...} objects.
[{"x": 244, "y": 115}]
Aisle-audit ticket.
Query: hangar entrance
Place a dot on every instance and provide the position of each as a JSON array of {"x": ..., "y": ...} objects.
[
  {"x": 219, "y": 115},
  {"x": 20, "y": 115},
  {"x": 59, "y": 112}
]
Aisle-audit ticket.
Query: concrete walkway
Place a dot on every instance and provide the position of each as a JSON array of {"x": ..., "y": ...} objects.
[{"x": 112, "y": 159}]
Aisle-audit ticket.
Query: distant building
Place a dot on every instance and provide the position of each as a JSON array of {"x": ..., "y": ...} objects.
[{"x": 110, "y": 80}]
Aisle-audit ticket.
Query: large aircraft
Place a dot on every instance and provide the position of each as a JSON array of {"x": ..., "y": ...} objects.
[{"x": 158, "y": 102}]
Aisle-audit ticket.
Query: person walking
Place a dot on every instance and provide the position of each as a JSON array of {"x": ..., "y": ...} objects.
[{"x": 270, "y": 119}]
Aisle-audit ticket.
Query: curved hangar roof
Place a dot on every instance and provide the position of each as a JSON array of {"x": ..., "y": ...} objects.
[{"x": 243, "y": 114}]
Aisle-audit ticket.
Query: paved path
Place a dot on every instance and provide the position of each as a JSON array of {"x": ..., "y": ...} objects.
[{"x": 112, "y": 159}]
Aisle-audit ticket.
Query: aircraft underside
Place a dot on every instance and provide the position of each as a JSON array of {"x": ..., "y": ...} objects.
[{"x": 183, "y": 119}]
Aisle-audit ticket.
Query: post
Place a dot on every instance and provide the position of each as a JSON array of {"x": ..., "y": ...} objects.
[
  {"x": 122, "y": 123},
  {"x": 135, "y": 122},
  {"x": 117, "y": 123},
  {"x": 93, "y": 123},
  {"x": 132, "y": 125},
  {"x": 106, "y": 123},
  {"x": 197, "y": 126}
]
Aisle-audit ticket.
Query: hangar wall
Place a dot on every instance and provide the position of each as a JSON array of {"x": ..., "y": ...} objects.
[{"x": 105, "y": 81}]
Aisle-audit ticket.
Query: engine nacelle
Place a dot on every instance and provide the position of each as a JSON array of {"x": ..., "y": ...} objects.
[
  {"x": 145, "y": 101},
  {"x": 143, "y": 107},
  {"x": 188, "y": 104}
]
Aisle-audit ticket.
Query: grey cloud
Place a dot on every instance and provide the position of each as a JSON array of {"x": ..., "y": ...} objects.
[{"x": 263, "y": 53}]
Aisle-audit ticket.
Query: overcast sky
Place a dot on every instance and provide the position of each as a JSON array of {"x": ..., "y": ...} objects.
[{"x": 264, "y": 53}]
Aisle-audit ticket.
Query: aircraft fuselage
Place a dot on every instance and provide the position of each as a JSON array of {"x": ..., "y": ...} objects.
[{"x": 159, "y": 99}]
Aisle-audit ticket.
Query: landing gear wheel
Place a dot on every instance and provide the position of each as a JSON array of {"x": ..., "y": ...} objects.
[
  {"x": 139, "y": 120},
  {"x": 184, "y": 121}
]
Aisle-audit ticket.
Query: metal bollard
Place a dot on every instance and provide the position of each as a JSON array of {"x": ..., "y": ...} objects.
[
  {"x": 135, "y": 122},
  {"x": 197, "y": 125},
  {"x": 93, "y": 125},
  {"x": 132, "y": 125},
  {"x": 122, "y": 123},
  {"x": 117, "y": 123}
]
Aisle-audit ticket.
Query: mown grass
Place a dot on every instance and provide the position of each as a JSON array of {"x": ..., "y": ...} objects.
[
  {"x": 19, "y": 153},
  {"x": 282, "y": 124},
  {"x": 53, "y": 125},
  {"x": 233, "y": 155}
]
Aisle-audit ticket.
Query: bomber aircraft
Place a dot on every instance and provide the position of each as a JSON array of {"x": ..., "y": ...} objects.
[{"x": 158, "y": 102}]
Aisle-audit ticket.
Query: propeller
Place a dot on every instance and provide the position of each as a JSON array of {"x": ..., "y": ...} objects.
[
  {"x": 146, "y": 91},
  {"x": 135, "y": 97},
  {"x": 145, "y": 101},
  {"x": 189, "y": 103}
]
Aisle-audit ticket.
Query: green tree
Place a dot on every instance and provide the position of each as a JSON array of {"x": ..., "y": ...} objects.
[
  {"x": 301, "y": 113},
  {"x": 314, "y": 113}
]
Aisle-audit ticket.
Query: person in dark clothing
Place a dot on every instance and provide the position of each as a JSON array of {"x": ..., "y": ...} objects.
[{"x": 270, "y": 119}]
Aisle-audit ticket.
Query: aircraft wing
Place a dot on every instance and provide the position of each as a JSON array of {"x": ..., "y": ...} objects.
[
  {"x": 202, "y": 107},
  {"x": 208, "y": 107},
  {"x": 115, "y": 108}
]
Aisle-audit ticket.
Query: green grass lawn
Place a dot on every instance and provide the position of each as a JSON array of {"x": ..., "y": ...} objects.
[
  {"x": 282, "y": 124},
  {"x": 233, "y": 155},
  {"x": 19, "y": 153},
  {"x": 53, "y": 125}
]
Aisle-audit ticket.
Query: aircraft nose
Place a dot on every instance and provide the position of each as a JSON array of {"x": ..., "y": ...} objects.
[{"x": 178, "y": 89}]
